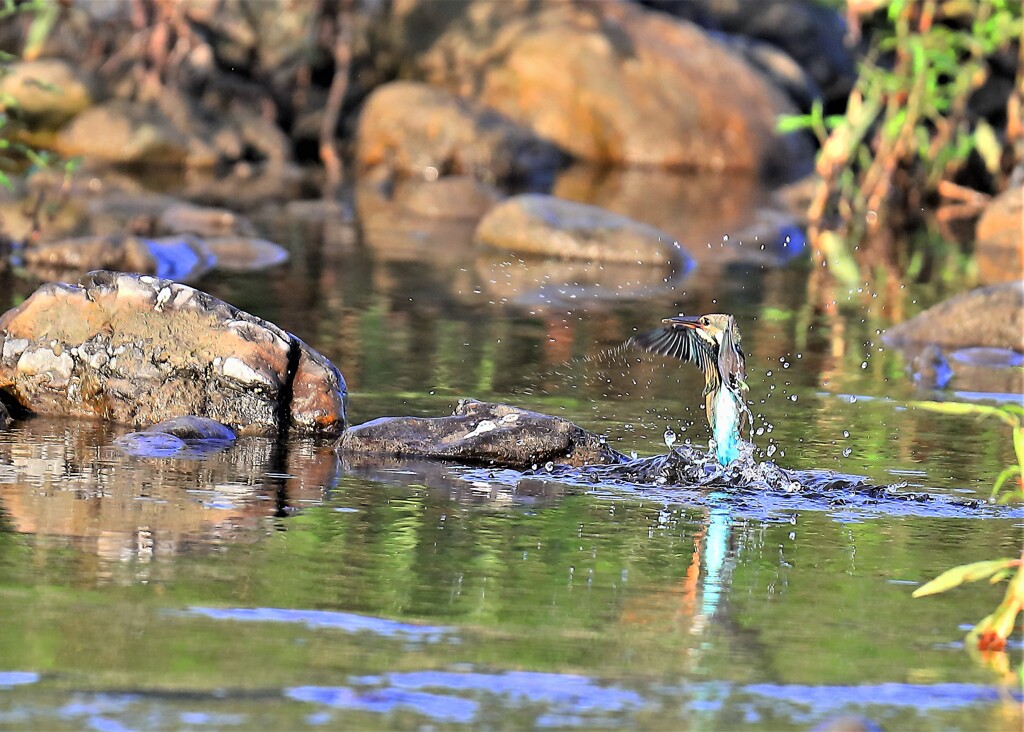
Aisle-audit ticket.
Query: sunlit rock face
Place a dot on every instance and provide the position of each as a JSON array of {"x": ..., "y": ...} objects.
[
  {"x": 481, "y": 433},
  {"x": 607, "y": 82},
  {"x": 414, "y": 129},
  {"x": 999, "y": 237},
  {"x": 137, "y": 350}
]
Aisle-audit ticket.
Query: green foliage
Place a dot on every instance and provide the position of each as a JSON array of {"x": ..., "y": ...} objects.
[
  {"x": 907, "y": 128},
  {"x": 994, "y": 568}
]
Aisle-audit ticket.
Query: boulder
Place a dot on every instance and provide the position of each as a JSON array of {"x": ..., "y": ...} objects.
[
  {"x": 125, "y": 134},
  {"x": 812, "y": 35},
  {"x": 45, "y": 92},
  {"x": 482, "y": 433},
  {"x": 610, "y": 82},
  {"x": 536, "y": 224},
  {"x": 991, "y": 317},
  {"x": 999, "y": 238},
  {"x": 414, "y": 129},
  {"x": 136, "y": 349},
  {"x": 178, "y": 436}
]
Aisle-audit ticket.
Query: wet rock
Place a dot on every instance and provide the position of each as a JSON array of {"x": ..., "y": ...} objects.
[
  {"x": 999, "y": 238},
  {"x": 137, "y": 350},
  {"x": 990, "y": 316},
  {"x": 45, "y": 92},
  {"x": 451, "y": 197},
  {"x": 181, "y": 258},
  {"x": 188, "y": 218},
  {"x": 482, "y": 433},
  {"x": 178, "y": 437},
  {"x": 607, "y": 82},
  {"x": 244, "y": 254},
  {"x": 190, "y": 427},
  {"x": 536, "y": 224},
  {"x": 414, "y": 129},
  {"x": 5, "y": 417},
  {"x": 126, "y": 134}
]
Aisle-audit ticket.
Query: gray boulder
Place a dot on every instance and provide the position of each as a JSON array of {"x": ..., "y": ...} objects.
[
  {"x": 137, "y": 350},
  {"x": 482, "y": 433}
]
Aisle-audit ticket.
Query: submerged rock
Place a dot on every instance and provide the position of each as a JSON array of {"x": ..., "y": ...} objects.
[
  {"x": 482, "y": 433},
  {"x": 176, "y": 437},
  {"x": 535, "y": 224},
  {"x": 138, "y": 350}
]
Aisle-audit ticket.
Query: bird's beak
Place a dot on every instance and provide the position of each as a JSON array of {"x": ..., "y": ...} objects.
[{"x": 683, "y": 321}]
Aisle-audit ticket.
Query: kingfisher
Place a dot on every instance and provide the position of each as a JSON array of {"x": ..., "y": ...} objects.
[{"x": 712, "y": 342}]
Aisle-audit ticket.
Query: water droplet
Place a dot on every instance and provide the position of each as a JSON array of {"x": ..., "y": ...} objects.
[
  {"x": 792, "y": 398},
  {"x": 670, "y": 438},
  {"x": 847, "y": 452},
  {"x": 549, "y": 466},
  {"x": 770, "y": 451},
  {"x": 846, "y": 433},
  {"x": 864, "y": 364}
]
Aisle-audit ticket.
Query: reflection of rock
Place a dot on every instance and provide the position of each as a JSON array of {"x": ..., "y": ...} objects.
[
  {"x": 450, "y": 197},
  {"x": 58, "y": 478},
  {"x": 987, "y": 316},
  {"x": 609, "y": 82},
  {"x": 180, "y": 258},
  {"x": 546, "y": 226},
  {"x": 489, "y": 434},
  {"x": 5, "y": 417},
  {"x": 138, "y": 350},
  {"x": 46, "y": 92},
  {"x": 538, "y": 281},
  {"x": 999, "y": 238},
  {"x": 415, "y": 129}
]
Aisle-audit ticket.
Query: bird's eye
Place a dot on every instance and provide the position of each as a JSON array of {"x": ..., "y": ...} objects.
[{"x": 705, "y": 321}]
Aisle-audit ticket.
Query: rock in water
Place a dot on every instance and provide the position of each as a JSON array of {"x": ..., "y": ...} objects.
[
  {"x": 137, "y": 350},
  {"x": 481, "y": 433},
  {"x": 5, "y": 418}
]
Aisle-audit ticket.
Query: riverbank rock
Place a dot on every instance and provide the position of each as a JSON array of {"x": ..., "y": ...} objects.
[
  {"x": 991, "y": 317},
  {"x": 482, "y": 433},
  {"x": 46, "y": 92},
  {"x": 999, "y": 238},
  {"x": 137, "y": 350},
  {"x": 535, "y": 224},
  {"x": 609, "y": 82},
  {"x": 418, "y": 130},
  {"x": 124, "y": 134}
]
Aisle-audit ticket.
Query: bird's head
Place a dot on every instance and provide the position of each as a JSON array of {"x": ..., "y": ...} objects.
[{"x": 715, "y": 329}]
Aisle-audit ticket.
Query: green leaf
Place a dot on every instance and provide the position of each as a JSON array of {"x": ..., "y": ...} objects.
[
  {"x": 964, "y": 573},
  {"x": 1004, "y": 476}
]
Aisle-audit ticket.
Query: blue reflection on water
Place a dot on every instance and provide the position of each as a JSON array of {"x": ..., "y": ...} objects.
[
  {"x": 17, "y": 678},
  {"x": 918, "y": 696},
  {"x": 437, "y": 707},
  {"x": 348, "y": 622}
]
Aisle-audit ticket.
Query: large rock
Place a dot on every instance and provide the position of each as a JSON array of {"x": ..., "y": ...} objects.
[
  {"x": 991, "y": 317},
  {"x": 138, "y": 350},
  {"x": 126, "y": 134},
  {"x": 415, "y": 129},
  {"x": 814, "y": 36},
  {"x": 482, "y": 433},
  {"x": 536, "y": 224},
  {"x": 5, "y": 417},
  {"x": 999, "y": 238},
  {"x": 46, "y": 92},
  {"x": 608, "y": 81}
]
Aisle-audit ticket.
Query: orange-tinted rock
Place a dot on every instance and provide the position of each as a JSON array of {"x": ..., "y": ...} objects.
[
  {"x": 999, "y": 238},
  {"x": 607, "y": 81},
  {"x": 415, "y": 129},
  {"x": 138, "y": 350}
]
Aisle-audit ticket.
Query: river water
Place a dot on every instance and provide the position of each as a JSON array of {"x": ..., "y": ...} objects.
[{"x": 281, "y": 586}]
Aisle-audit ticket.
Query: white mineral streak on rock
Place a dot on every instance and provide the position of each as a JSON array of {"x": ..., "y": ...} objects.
[
  {"x": 237, "y": 369},
  {"x": 14, "y": 347},
  {"x": 485, "y": 426},
  {"x": 45, "y": 361}
]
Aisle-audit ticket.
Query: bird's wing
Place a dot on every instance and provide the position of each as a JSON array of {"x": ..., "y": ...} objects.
[
  {"x": 685, "y": 345},
  {"x": 732, "y": 363}
]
